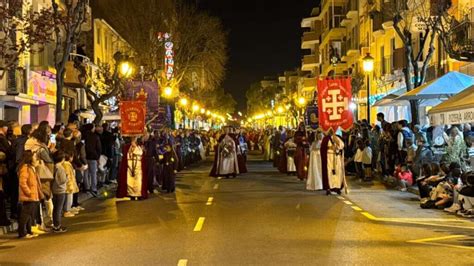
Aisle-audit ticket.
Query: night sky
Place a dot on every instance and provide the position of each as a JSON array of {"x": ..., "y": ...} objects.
[{"x": 264, "y": 39}]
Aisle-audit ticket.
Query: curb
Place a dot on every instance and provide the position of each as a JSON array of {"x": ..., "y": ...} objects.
[{"x": 83, "y": 197}]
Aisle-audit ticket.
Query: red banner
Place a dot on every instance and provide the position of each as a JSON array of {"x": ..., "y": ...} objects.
[
  {"x": 334, "y": 98},
  {"x": 132, "y": 114}
]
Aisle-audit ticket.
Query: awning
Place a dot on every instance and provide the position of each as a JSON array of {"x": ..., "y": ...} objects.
[
  {"x": 459, "y": 109},
  {"x": 390, "y": 100},
  {"x": 441, "y": 88}
]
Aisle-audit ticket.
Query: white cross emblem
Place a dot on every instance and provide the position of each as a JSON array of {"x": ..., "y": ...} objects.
[{"x": 335, "y": 108}]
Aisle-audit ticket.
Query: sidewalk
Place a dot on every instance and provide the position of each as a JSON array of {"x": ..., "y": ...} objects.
[
  {"x": 103, "y": 193},
  {"x": 390, "y": 205}
]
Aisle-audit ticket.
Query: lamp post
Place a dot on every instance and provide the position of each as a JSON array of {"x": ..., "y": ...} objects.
[{"x": 368, "y": 65}]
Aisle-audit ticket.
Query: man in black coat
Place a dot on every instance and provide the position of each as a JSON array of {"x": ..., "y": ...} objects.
[
  {"x": 93, "y": 152},
  {"x": 5, "y": 153}
]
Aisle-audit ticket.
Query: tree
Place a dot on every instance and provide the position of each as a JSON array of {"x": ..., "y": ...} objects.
[
  {"x": 68, "y": 20},
  {"x": 199, "y": 40},
  {"x": 101, "y": 83},
  {"x": 403, "y": 14},
  {"x": 218, "y": 99},
  {"x": 21, "y": 30},
  {"x": 259, "y": 99}
]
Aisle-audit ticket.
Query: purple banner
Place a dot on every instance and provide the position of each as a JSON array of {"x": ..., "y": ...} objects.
[{"x": 151, "y": 92}]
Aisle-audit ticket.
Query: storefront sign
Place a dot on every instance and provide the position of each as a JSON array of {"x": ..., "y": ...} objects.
[
  {"x": 334, "y": 96},
  {"x": 452, "y": 118},
  {"x": 132, "y": 115},
  {"x": 42, "y": 88}
]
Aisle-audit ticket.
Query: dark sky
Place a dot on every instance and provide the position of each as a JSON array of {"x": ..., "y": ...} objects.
[{"x": 264, "y": 39}]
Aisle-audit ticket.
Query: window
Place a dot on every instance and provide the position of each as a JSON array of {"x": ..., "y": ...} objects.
[{"x": 382, "y": 58}]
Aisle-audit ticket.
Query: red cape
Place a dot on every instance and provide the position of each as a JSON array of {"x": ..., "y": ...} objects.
[{"x": 122, "y": 182}]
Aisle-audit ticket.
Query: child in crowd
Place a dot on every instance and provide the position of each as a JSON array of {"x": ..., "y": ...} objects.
[
  {"x": 71, "y": 186},
  {"x": 367, "y": 161},
  {"x": 29, "y": 194},
  {"x": 290, "y": 147},
  {"x": 59, "y": 190},
  {"x": 405, "y": 178}
]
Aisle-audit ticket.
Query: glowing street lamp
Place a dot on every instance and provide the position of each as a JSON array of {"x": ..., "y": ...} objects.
[
  {"x": 195, "y": 108},
  {"x": 168, "y": 92},
  {"x": 301, "y": 101},
  {"x": 203, "y": 111},
  {"x": 280, "y": 109},
  {"x": 368, "y": 66},
  {"x": 126, "y": 69},
  {"x": 183, "y": 102}
]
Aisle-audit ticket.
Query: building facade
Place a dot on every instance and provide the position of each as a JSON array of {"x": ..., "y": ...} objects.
[{"x": 340, "y": 33}]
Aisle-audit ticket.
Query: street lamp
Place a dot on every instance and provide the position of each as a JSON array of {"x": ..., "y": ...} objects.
[
  {"x": 126, "y": 69},
  {"x": 301, "y": 101},
  {"x": 168, "y": 92},
  {"x": 183, "y": 102},
  {"x": 368, "y": 65}
]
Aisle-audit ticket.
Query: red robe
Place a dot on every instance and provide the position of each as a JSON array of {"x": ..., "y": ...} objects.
[
  {"x": 301, "y": 159},
  {"x": 122, "y": 182}
]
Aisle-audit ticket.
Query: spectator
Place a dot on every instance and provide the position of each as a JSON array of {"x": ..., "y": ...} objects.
[
  {"x": 80, "y": 165},
  {"x": 29, "y": 193},
  {"x": 59, "y": 189},
  {"x": 358, "y": 159},
  {"x": 424, "y": 155},
  {"x": 93, "y": 151},
  {"x": 74, "y": 117},
  {"x": 381, "y": 119},
  {"x": 404, "y": 135},
  {"x": 367, "y": 161},
  {"x": 71, "y": 186},
  {"x": 405, "y": 178},
  {"x": 456, "y": 147},
  {"x": 5, "y": 153}
]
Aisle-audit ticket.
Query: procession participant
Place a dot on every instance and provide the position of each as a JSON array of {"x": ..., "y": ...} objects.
[
  {"x": 150, "y": 156},
  {"x": 290, "y": 148},
  {"x": 240, "y": 153},
  {"x": 276, "y": 146},
  {"x": 227, "y": 164},
  {"x": 315, "y": 179},
  {"x": 301, "y": 159},
  {"x": 332, "y": 161},
  {"x": 169, "y": 165},
  {"x": 214, "y": 170},
  {"x": 267, "y": 145},
  {"x": 131, "y": 183}
]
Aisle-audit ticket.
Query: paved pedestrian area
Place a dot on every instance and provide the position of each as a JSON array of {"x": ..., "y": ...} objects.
[{"x": 260, "y": 218}]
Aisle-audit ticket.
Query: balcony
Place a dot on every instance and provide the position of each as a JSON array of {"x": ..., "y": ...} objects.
[
  {"x": 335, "y": 30},
  {"x": 351, "y": 9},
  {"x": 16, "y": 81},
  {"x": 310, "y": 62},
  {"x": 71, "y": 78},
  {"x": 309, "y": 84},
  {"x": 310, "y": 38}
]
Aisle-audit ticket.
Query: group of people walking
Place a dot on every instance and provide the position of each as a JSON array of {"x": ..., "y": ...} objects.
[{"x": 314, "y": 157}]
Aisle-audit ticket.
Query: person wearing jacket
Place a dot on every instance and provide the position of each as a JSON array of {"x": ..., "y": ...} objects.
[
  {"x": 80, "y": 165},
  {"x": 29, "y": 194},
  {"x": 59, "y": 190},
  {"x": 93, "y": 152}
]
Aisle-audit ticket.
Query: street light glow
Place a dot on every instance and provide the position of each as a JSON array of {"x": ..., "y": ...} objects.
[
  {"x": 280, "y": 109},
  {"x": 126, "y": 69},
  {"x": 353, "y": 106},
  {"x": 168, "y": 91},
  {"x": 301, "y": 101},
  {"x": 195, "y": 108},
  {"x": 183, "y": 102},
  {"x": 368, "y": 63},
  {"x": 203, "y": 110}
]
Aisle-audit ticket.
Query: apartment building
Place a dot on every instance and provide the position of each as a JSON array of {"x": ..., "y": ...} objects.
[
  {"x": 342, "y": 32},
  {"x": 28, "y": 94}
]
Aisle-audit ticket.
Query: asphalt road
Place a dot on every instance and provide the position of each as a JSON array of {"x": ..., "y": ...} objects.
[{"x": 260, "y": 218}]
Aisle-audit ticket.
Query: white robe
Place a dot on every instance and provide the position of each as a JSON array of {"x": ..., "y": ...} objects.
[
  {"x": 134, "y": 180},
  {"x": 290, "y": 160},
  {"x": 315, "y": 178},
  {"x": 227, "y": 165},
  {"x": 336, "y": 162}
]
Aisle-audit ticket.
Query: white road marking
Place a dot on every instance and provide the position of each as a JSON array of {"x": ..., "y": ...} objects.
[
  {"x": 298, "y": 206},
  {"x": 356, "y": 208},
  {"x": 182, "y": 262},
  {"x": 348, "y": 202},
  {"x": 220, "y": 177},
  {"x": 341, "y": 198},
  {"x": 199, "y": 224},
  {"x": 216, "y": 186},
  {"x": 209, "y": 201}
]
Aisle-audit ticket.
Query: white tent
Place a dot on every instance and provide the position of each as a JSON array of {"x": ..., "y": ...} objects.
[{"x": 459, "y": 109}]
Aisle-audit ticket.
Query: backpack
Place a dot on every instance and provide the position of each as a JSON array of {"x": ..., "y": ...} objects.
[{"x": 406, "y": 136}]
